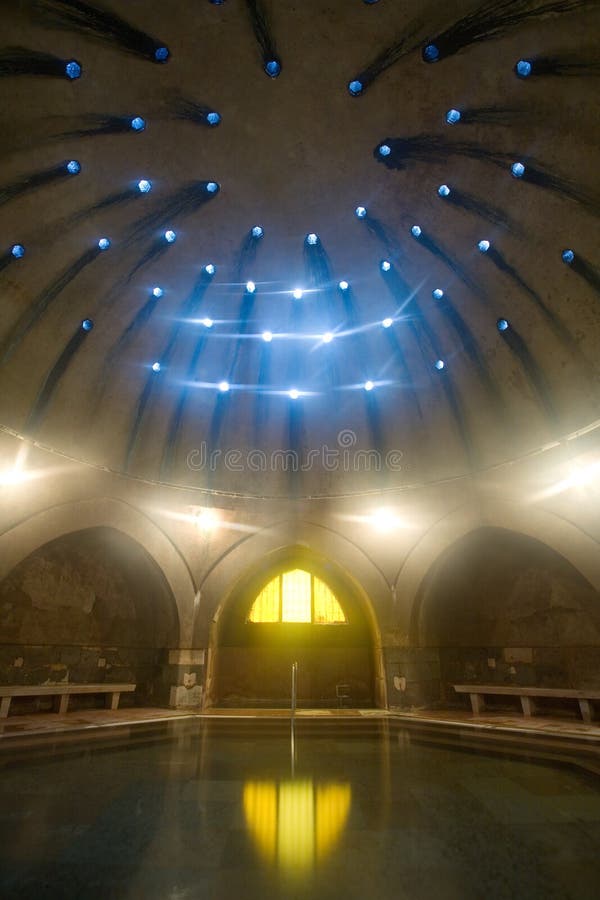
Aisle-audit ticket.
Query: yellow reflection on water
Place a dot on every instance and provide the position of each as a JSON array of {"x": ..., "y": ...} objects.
[{"x": 295, "y": 823}]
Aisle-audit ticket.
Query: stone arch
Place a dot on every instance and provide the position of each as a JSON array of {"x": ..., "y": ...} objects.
[
  {"x": 21, "y": 540},
  {"x": 253, "y": 569},
  {"x": 562, "y": 536},
  {"x": 220, "y": 581}
]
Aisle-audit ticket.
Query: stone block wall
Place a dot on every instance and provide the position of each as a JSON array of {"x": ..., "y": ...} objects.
[{"x": 88, "y": 607}]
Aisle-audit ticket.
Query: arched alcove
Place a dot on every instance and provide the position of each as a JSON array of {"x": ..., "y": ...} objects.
[
  {"x": 503, "y": 607},
  {"x": 88, "y": 606},
  {"x": 251, "y": 660}
]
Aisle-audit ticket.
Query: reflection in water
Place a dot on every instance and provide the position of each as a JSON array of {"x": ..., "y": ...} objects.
[{"x": 296, "y": 823}]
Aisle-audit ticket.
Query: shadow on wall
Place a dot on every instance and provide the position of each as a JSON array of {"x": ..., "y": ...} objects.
[
  {"x": 91, "y": 606},
  {"x": 502, "y": 608}
]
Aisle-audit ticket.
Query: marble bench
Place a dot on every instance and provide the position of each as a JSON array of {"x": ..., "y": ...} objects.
[
  {"x": 527, "y": 696},
  {"x": 62, "y": 692}
]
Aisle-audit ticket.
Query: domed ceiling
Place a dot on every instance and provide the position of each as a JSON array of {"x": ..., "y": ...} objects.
[{"x": 303, "y": 229}]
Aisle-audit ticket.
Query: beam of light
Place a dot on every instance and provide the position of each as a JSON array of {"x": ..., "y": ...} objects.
[
  {"x": 581, "y": 477},
  {"x": 383, "y": 520},
  {"x": 202, "y": 518},
  {"x": 91, "y": 21}
]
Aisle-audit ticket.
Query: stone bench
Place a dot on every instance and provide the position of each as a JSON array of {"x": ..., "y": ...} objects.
[
  {"x": 61, "y": 692},
  {"x": 527, "y": 696}
]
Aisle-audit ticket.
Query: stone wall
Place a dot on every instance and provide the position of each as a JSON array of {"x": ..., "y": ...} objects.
[
  {"x": 88, "y": 607},
  {"x": 502, "y": 608}
]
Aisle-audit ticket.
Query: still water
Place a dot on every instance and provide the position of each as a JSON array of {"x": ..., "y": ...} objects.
[{"x": 249, "y": 809}]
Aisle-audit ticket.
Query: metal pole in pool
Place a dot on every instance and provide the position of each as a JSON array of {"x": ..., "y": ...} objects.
[
  {"x": 292, "y": 717},
  {"x": 294, "y": 688}
]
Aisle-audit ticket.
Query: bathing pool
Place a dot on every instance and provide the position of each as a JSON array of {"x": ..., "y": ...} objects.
[{"x": 249, "y": 808}]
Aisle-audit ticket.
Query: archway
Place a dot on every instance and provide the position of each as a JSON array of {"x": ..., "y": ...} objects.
[
  {"x": 88, "y": 606},
  {"x": 295, "y": 607},
  {"x": 502, "y": 607}
]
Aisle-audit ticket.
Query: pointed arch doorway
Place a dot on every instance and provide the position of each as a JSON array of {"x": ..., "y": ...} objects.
[{"x": 293, "y": 609}]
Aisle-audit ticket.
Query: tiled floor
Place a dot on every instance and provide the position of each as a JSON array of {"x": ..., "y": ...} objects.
[{"x": 47, "y": 723}]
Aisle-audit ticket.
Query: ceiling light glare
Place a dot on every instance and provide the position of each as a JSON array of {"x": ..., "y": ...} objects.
[
  {"x": 523, "y": 68},
  {"x": 343, "y": 285},
  {"x": 13, "y": 477},
  {"x": 369, "y": 385},
  {"x": 18, "y": 251},
  {"x": 517, "y": 169},
  {"x": 213, "y": 118},
  {"x": 208, "y": 323},
  {"x": 73, "y": 167},
  {"x": 502, "y": 325},
  {"x": 297, "y": 293},
  {"x": 483, "y": 246},
  {"x": 361, "y": 212},
  {"x": 156, "y": 367},
  {"x": 431, "y": 53},
  {"x": 388, "y": 322},
  {"x": 385, "y": 265},
  {"x": 273, "y": 68},
  {"x": 437, "y": 294},
  {"x": 212, "y": 187},
  {"x": 103, "y": 243},
  {"x": 384, "y": 149},
  {"x": 444, "y": 190},
  {"x": 223, "y": 386},
  {"x": 568, "y": 256},
  {"x": 144, "y": 186},
  {"x": 453, "y": 116},
  {"x": 161, "y": 54},
  {"x": 157, "y": 292},
  {"x": 416, "y": 231},
  {"x": 312, "y": 239},
  {"x": 170, "y": 236},
  {"x": 206, "y": 520},
  {"x": 73, "y": 69},
  {"x": 440, "y": 365},
  {"x": 383, "y": 520},
  {"x": 257, "y": 232},
  {"x": 355, "y": 87},
  {"x": 327, "y": 337},
  {"x": 267, "y": 336},
  {"x": 87, "y": 325},
  {"x": 294, "y": 393},
  {"x": 250, "y": 287},
  {"x": 138, "y": 124}
]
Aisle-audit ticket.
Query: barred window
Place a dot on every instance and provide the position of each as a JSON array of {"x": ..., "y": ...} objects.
[{"x": 297, "y": 596}]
